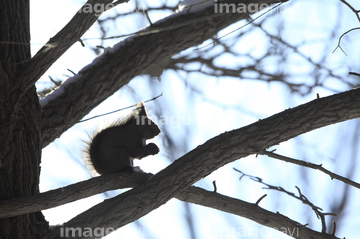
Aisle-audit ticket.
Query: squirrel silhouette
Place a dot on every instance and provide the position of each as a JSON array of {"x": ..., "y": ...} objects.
[{"x": 113, "y": 148}]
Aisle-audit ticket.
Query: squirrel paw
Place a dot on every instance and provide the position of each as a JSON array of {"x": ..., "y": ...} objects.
[{"x": 152, "y": 149}]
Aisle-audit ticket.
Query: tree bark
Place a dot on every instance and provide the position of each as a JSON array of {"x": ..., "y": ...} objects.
[{"x": 20, "y": 122}]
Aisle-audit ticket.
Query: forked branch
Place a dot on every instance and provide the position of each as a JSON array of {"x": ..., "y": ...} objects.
[
  {"x": 192, "y": 194},
  {"x": 215, "y": 153}
]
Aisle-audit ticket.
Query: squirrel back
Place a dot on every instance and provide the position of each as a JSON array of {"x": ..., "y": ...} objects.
[{"x": 113, "y": 148}]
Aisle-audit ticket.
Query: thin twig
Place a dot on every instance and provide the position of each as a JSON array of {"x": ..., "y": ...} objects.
[
  {"x": 128, "y": 107},
  {"x": 354, "y": 74},
  {"x": 317, "y": 210},
  {"x": 260, "y": 199},
  {"x": 352, "y": 9},
  {"x": 311, "y": 165},
  {"x": 215, "y": 188},
  {"x": 338, "y": 46}
]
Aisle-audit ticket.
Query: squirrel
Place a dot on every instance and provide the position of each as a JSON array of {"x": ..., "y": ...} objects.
[{"x": 113, "y": 148}]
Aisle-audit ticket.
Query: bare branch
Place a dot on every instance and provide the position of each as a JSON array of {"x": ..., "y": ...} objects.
[
  {"x": 311, "y": 165},
  {"x": 59, "y": 44},
  {"x": 214, "y": 154},
  {"x": 215, "y": 188},
  {"x": 250, "y": 211},
  {"x": 352, "y": 9},
  {"x": 191, "y": 195},
  {"x": 301, "y": 197},
  {"x": 98, "y": 81},
  {"x": 70, "y": 193},
  {"x": 338, "y": 46},
  {"x": 354, "y": 73},
  {"x": 260, "y": 199}
]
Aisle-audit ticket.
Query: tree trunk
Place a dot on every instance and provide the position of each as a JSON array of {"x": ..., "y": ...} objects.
[{"x": 20, "y": 123}]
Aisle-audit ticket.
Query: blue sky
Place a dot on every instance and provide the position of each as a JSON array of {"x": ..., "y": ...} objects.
[{"x": 248, "y": 100}]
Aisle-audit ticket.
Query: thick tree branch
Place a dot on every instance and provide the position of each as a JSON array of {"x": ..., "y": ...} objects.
[
  {"x": 250, "y": 211},
  {"x": 132, "y": 57},
  {"x": 215, "y": 153},
  {"x": 59, "y": 44},
  {"x": 70, "y": 193},
  {"x": 192, "y": 194}
]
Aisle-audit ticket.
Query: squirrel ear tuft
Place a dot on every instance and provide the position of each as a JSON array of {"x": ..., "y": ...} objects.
[{"x": 140, "y": 109}]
